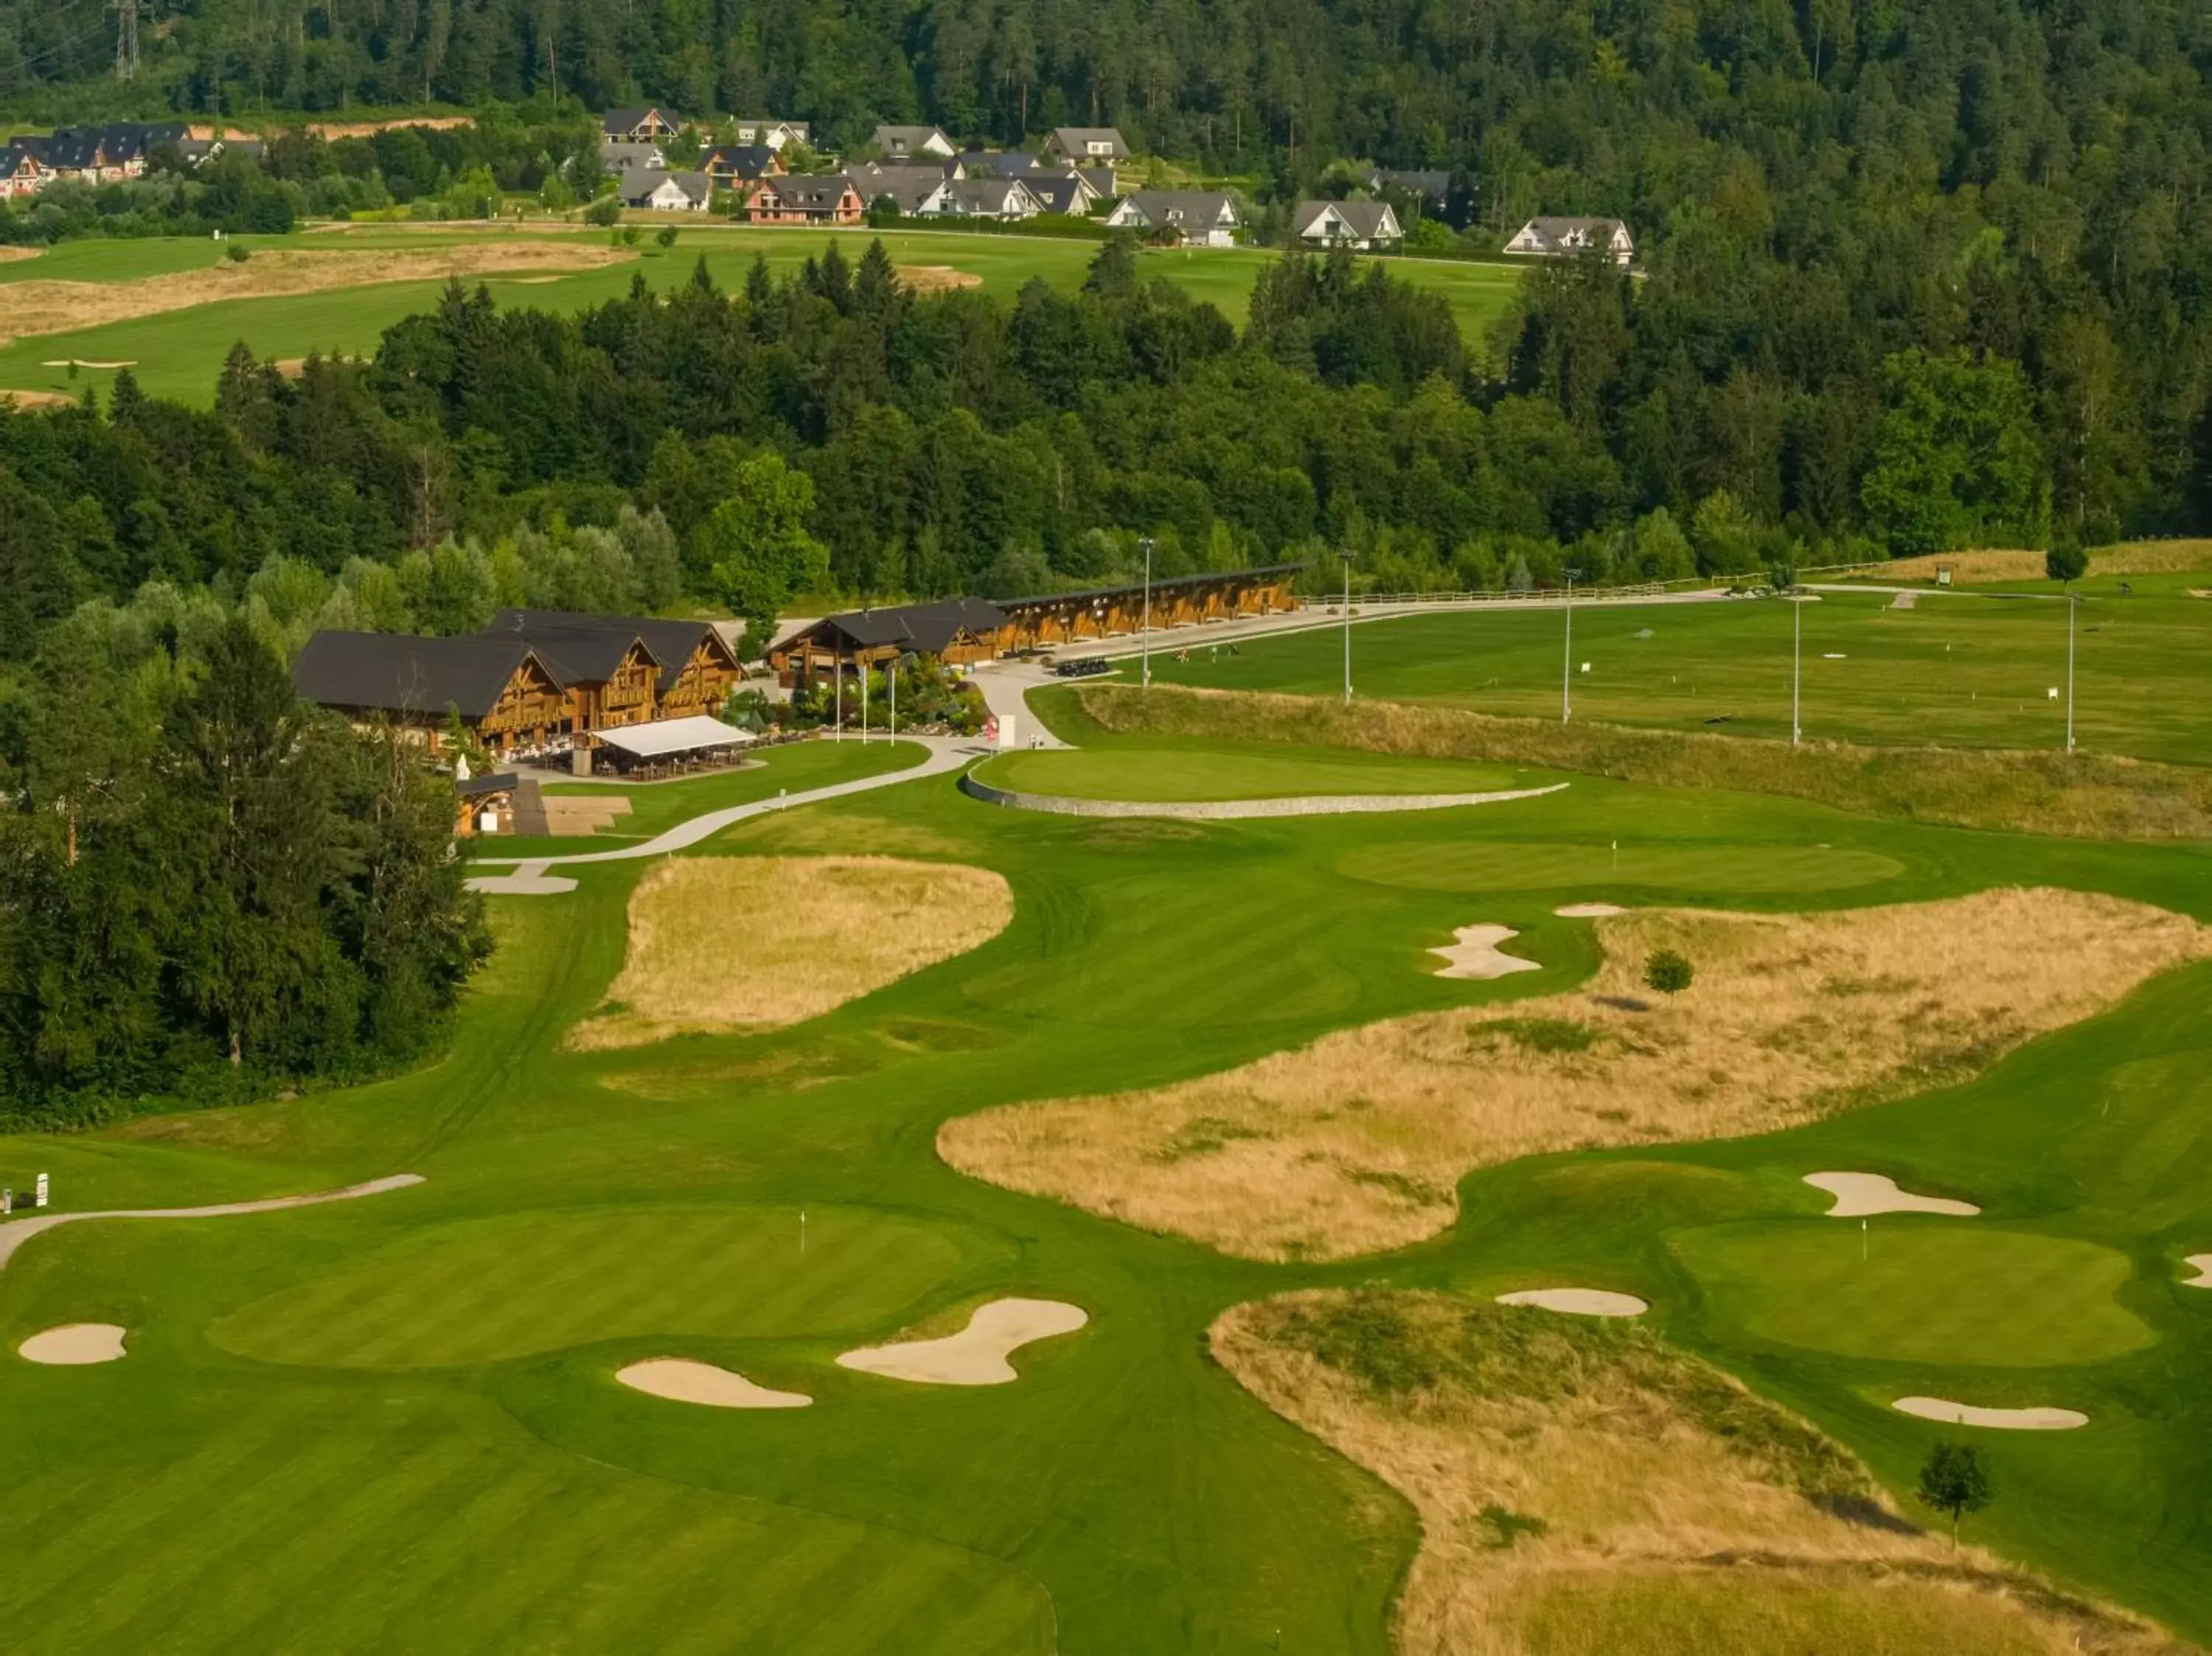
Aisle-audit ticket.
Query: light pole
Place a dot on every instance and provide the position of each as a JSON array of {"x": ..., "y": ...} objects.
[
  {"x": 1567, "y": 664},
  {"x": 1797, "y": 665},
  {"x": 894, "y": 698},
  {"x": 1347, "y": 556},
  {"x": 1146, "y": 637},
  {"x": 838, "y": 719},
  {"x": 2069, "y": 666}
]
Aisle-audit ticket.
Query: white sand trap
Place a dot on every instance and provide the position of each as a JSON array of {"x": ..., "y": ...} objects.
[
  {"x": 1476, "y": 955},
  {"x": 1589, "y": 911},
  {"x": 17, "y": 1232},
  {"x": 976, "y": 1356},
  {"x": 522, "y": 885},
  {"x": 74, "y": 1345},
  {"x": 1905, "y": 601},
  {"x": 1578, "y": 1301},
  {"x": 681, "y": 1380},
  {"x": 1858, "y": 1194},
  {"x": 2202, "y": 1265},
  {"x": 2004, "y": 1420},
  {"x": 87, "y": 362}
]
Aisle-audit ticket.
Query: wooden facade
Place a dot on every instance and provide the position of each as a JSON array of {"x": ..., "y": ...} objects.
[
  {"x": 532, "y": 710},
  {"x": 702, "y": 682}
]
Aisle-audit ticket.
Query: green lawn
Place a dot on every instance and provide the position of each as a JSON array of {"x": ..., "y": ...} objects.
[
  {"x": 1921, "y": 1290},
  {"x": 1256, "y": 773},
  {"x": 1958, "y": 668},
  {"x": 177, "y": 354},
  {"x": 391, "y": 1425}
]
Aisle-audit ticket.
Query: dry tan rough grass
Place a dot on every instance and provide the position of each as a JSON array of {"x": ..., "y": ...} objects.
[
  {"x": 2092, "y": 795},
  {"x": 37, "y": 399},
  {"x": 1993, "y": 564},
  {"x": 1354, "y": 1143},
  {"x": 8, "y": 253},
  {"x": 1650, "y": 1473},
  {"x": 936, "y": 278},
  {"x": 721, "y": 943},
  {"x": 36, "y": 307}
]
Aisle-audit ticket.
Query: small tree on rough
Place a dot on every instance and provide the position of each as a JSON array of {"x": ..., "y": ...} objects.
[
  {"x": 1668, "y": 973},
  {"x": 1955, "y": 1480},
  {"x": 2066, "y": 563}
]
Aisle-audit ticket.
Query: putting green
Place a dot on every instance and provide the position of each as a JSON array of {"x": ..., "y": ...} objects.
[
  {"x": 492, "y": 1288},
  {"x": 1171, "y": 773},
  {"x": 1493, "y": 866},
  {"x": 1937, "y": 1291}
]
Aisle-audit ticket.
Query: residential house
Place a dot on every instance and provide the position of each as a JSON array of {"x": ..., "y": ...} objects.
[
  {"x": 654, "y": 190},
  {"x": 1570, "y": 238},
  {"x": 621, "y": 155},
  {"x": 990, "y": 199},
  {"x": 770, "y": 134},
  {"x": 899, "y": 143},
  {"x": 761, "y": 201},
  {"x": 997, "y": 163},
  {"x": 1069, "y": 193},
  {"x": 102, "y": 155},
  {"x": 830, "y": 200},
  {"x": 731, "y": 164},
  {"x": 1087, "y": 146},
  {"x": 1104, "y": 184},
  {"x": 919, "y": 192},
  {"x": 641, "y": 126},
  {"x": 1197, "y": 218},
  {"x": 1366, "y": 225},
  {"x": 20, "y": 172},
  {"x": 1432, "y": 187}
]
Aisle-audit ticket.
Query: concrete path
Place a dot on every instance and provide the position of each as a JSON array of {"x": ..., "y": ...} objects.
[
  {"x": 16, "y": 1232},
  {"x": 945, "y": 753},
  {"x": 1006, "y": 686}
]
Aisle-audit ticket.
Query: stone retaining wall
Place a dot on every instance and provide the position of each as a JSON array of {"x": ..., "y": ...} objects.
[{"x": 1337, "y": 805}]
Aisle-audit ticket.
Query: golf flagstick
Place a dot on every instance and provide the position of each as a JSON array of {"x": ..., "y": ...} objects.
[
  {"x": 802, "y": 1233},
  {"x": 1863, "y": 1241}
]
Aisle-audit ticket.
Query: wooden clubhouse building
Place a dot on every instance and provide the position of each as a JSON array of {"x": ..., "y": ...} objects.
[
  {"x": 535, "y": 681},
  {"x": 965, "y": 630}
]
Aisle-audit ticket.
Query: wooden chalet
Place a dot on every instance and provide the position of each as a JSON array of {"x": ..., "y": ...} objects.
[
  {"x": 503, "y": 691},
  {"x": 955, "y": 630},
  {"x": 536, "y": 679},
  {"x": 964, "y": 630},
  {"x": 697, "y": 668}
]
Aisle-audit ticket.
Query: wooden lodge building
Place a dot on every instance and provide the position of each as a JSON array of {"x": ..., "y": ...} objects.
[
  {"x": 965, "y": 630},
  {"x": 533, "y": 680}
]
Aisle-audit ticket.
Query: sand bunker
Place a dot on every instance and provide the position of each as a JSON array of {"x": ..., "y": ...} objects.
[
  {"x": 1859, "y": 1194},
  {"x": 38, "y": 305},
  {"x": 1358, "y": 1141},
  {"x": 976, "y": 1356},
  {"x": 844, "y": 927},
  {"x": 37, "y": 399},
  {"x": 681, "y": 1380},
  {"x": 1476, "y": 955},
  {"x": 74, "y": 1345},
  {"x": 1578, "y": 1301},
  {"x": 17, "y": 1232},
  {"x": 936, "y": 278},
  {"x": 2003, "y": 1420},
  {"x": 528, "y": 880},
  {"x": 1589, "y": 911},
  {"x": 88, "y": 362},
  {"x": 2202, "y": 1265},
  {"x": 8, "y": 253}
]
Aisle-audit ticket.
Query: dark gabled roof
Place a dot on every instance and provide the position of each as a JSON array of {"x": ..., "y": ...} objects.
[
  {"x": 395, "y": 672},
  {"x": 1434, "y": 183},
  {"x": 476, "y": 786},
  {"x": 927, "y": 628},
  {"x": 576, "y": 649},
  {"x": 670, "y": 642},
  {"x": 616, "y": 122},
  {"x": 1056, "y": 192},
  {"x": 1169, "y": 585},
  {"x": 746, "y": 160}
]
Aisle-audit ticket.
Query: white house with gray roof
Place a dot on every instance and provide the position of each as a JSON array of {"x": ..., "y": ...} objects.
[
  {"x": 1197, "y": 218},
  {"x": 1365, "y": 225},
  {"x": 901, "y": 144},
  {"x": 1570, "y": 238}
]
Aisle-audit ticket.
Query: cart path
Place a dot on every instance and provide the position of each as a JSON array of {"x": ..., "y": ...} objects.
[
  {"x": 16, "y": 1232},
  {"x": 945, "y": 753}
]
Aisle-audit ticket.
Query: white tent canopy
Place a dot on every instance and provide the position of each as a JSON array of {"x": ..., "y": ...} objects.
[{"x": 666, "y": 736}]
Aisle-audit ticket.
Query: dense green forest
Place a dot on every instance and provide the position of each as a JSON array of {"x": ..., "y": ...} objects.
[{"x": 206, "y": 889}]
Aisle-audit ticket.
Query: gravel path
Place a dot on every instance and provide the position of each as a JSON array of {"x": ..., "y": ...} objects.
[{"x": 17, "y": 1232}]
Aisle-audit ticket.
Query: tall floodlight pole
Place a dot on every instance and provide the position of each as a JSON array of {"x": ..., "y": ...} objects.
[
  {"x": 1797, "y": 668},
  {"x": 864, "y": 700},
  {"x": 1347, "y": 555},
  {"x": 838, "y": 718},
  {"x": 1146, "y": 637},
  {"x": 1567, "y": 663},
  {"x": 2070, "y": 668},
  {"x": 894, "y": 698}
]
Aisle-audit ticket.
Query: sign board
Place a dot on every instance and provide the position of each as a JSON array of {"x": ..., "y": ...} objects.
[
  {"x": 1942, "y": 574},
  {"x": 39, "y": 1199},
  {"x": 1003, "y": 725},
  {"x": 991, "y": 730}
]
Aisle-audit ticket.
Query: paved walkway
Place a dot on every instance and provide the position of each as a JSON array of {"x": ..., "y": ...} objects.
[
  {"x": 17, "y": 1232},
  {"x": 945, "y": 753}
]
